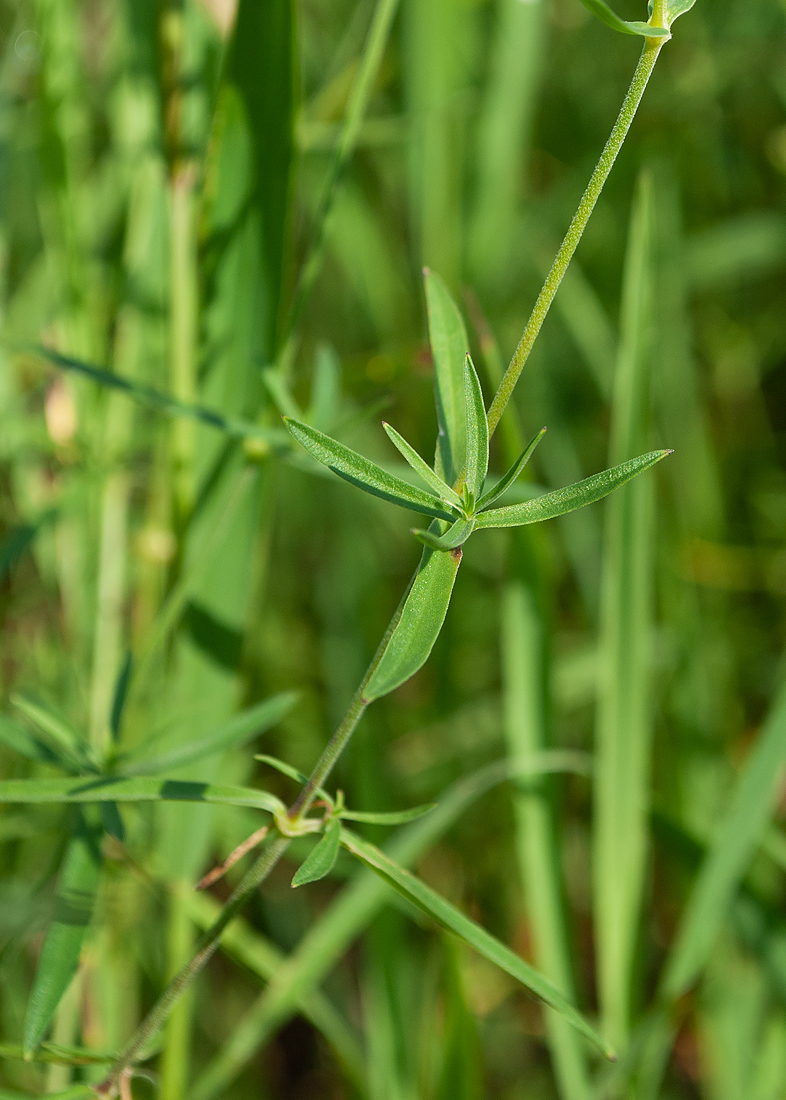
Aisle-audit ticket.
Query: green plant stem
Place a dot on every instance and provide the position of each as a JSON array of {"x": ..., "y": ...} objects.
[{"x": 649, "y": 56}]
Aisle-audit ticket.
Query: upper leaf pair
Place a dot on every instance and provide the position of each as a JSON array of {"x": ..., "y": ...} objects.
[{"x": 671, "y": 10}]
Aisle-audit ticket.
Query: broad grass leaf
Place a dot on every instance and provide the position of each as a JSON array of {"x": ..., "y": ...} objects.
[
  {"x": 143, "y": 789},
  {"x": 477, "y": 431},
  {"x": 322, "y": 857},
  {"x": 421, "y": 621},
  {"x": 366, "y": 475},
  {"x": 449, "y": 346},
  {"x": 625, "y": 26},
  {"x": 449, "y": 917},
  {"x": 233, "y": 734},
  {"x": 421, "y": 467},
  {"x": 508, "y": 478},
  {"x": 455, "y": 536},
  {"x": 73, "y": 909},
  {"x": 573, "y": 496}
]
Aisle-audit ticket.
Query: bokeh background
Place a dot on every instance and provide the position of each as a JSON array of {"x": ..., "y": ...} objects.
[{"x": 162, "y": 179}]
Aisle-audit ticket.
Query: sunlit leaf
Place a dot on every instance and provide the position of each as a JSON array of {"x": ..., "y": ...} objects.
[
  {"x": 477, "y": 431},
  {"x": 366, "y": 475},
  {"x": 322, "y": 857},
  {"x": 507, "y": 479},
  {"x": 676, "y": 8},
  {"x": 572, "y": 497},
  {"x": 625, "y": 26},
  {"x": 449, "y": 346},
  {"x": 421, "y": 467}
]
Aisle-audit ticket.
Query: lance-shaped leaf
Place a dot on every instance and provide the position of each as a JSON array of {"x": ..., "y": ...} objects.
[
  {"x": 18, "y": 739},
  {"x": 449, "y": 345},
  {"x": 73, "y": 909},
  {"x": 573, "y": 496},
  {"x": 322, "y": 857},
  {"x": 397, "y": 817},
  {"x": 675, "y": 8},
  {"x": 455, "y": 536},
  {"x": 366, "y": 475},
  {"x": 507, "y": 479},
  {"x": 421, "y": 467},
  {"x": 64, "y": 741},
  {"x": 448, "y": 916},
  {"x": 419, "y": 625},
  {"x": 477, "y": 431},
  {"x": 625, "y": 26},
  {"x": 116, "y": 789}
]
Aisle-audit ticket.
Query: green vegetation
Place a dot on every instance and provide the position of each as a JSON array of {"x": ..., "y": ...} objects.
[{"x": 524, "y": 841}]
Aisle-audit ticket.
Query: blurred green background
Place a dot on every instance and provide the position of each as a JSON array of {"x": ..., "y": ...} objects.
[{"x": 163, "y": 172}]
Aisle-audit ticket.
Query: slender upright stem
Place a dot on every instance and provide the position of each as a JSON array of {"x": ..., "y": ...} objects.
[{"x": 649, "y": 55}]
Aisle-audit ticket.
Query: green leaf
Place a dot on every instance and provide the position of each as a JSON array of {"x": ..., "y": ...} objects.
[
  {"x": 59, "y": 1055},
  {"x": 676, "y": 8},
  {"x": 17, "y": 540},
  {"x": 477, "y": 431},
  {"x": 397, "y": 817},
  {"x": 143, "y": 789},
  {"x": 19, "y": 740},
  {"x": 507, "y": 479},
  {"x": 322, "y": 857},
  {"x": 63, "y": 740},
  {"x": 421, "y": 621},
  {"x": 568, "y": 499},
  {"x": 607, "y": 16},
  {"x": 421, "y": 467},
  {"x": 449, "y": 917},
  {"x": 366, "y": 475},
  {"x": 449, "y": 346},
  {"x": 73, "y": 909},
  {"x": 456, "y": 535},
  {"x": 231, "y": 735},
  {"x": 293, "y": 773}
]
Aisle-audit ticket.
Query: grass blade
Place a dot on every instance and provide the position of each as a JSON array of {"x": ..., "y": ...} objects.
[
  {"x": 575, "y": 496},
  {"x": 322, "y": 857},
  {"x": 364, "y": 474},
  {"x": 396, "y": 817},
  {"x": 466, "y": 929},
  {"x": 507, "y": 479},
  {"x": 449, "y": 347},
  {"x": 421, "y": 467},
  {"x": 143, "y": 789},
  {"x": 63, "y": 740},
  {"x": 477, "y": 431}
]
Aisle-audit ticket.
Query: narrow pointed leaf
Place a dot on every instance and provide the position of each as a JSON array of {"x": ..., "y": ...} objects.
[
  {"x": 62, "y": 739},
  {"x": 421, "y": 621},
  {"x": 507, "y": 479},
  {"x": 366, "y": 475},
  {"x": 293, "y": 773},
  {"x": 323, "y": 856},
  {"x": 143, "y": 789},
  {"x": 448, "y": 916},
  {"x": 477, "y": 431},
  {"x": 233, "y": 734},
  {"x": 624, "y": 26},
  {"x": 62, "y": 947},
  {"x": 18, "y": 739},
  {"x": 568, "y": 499},
  {"x": 421, "y": 467},
  {"x": 397, "y": 817},
  {"x": 455, "y": 536},
  {"x": 449, "y": 346}
]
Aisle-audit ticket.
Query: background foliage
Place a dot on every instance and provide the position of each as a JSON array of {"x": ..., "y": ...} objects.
[{"x": 163, "y": 191}]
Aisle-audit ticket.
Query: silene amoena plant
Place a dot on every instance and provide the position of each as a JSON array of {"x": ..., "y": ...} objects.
[{"x": 459, "y": 499}]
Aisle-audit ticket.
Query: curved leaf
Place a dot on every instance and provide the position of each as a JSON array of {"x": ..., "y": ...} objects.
[
  {"x": 455, "y": 536},
  {"x": 507, "y": 479},
  {"x": 397, "y": 817},
  {"x": 420, "y": 623},
  {"x": 676, "y": 8},
  {"x": 322, "y": 857},
  {"x": 421, "y": 467},
  {"x": 477, "y": 431},
  {"x": 625, "y": 26},
  {"x": 449, "y": 345},
  {"x": 569, "y": 499},
  {"x": 366, "y": 475}
]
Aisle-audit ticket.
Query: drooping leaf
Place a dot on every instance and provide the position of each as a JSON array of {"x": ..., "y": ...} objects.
[
  {"x": 448, "y": 916},
  {"x": 573, "y": 496},
  {"x": 62, "y": 947},
  {"x": 455, "y": 536},
  {"x": 232, "y": 734},
  {"x": 421, "y": 621},
  {"x": 421, "y": 467},
  {"x": 142, "y": 789},
  {"x": 625, "y": 26},
  {"x": 449, "y": 345},
  {"x": 396, "y": 817},
  {"x": 322, "y": 857},
  {"x": 477, "y": 431},
  {"x": 507, "y": 479},
  {"x": 366, "y": 475}
]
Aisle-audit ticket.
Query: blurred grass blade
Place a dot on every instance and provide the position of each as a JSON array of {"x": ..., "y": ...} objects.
[
  {"x": 624, "y": 26},
  {"x": 421, "y": 468},
  {"x": 19, "y": 740},
  {"x": 73, "y": 909},
  {"x": 448, "y": 339},
  {"x": 235, "y": 733},
  {"x": 64, "y": 740},
  {"x": 477, "y": 431},
  {"x": 58, "y": 1055},
  {"x": 421, "y": 621},
  {"x": 446, "y": 915},
  {"x": 507, "y": 479},
  {"x": 396, "y": 817},
  {"x": 454, "y": 537},
  {"x": 144, "y": 789},
  {"x": 624, "y": 722},
  {"x": 742, "y": 828},
  {"x": 119, "y": 696},
  {"x": 18, "y": 539},
  {"x": 574, "y": 496},
  {"x": 526, "y": 721},
  {"x": 364, "y": 474},
  {"x": 322, "y": 857}
]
